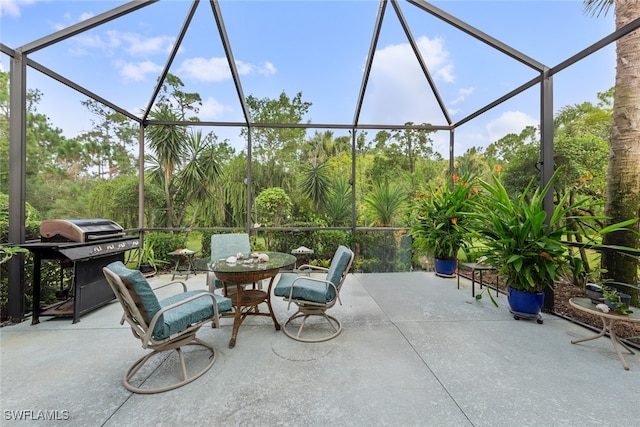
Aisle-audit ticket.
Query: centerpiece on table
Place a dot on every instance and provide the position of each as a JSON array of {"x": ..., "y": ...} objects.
[{"x": 438, "y": 225}]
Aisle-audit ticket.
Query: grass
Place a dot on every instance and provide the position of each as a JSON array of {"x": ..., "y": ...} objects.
[{"x": 194, "y": 241}]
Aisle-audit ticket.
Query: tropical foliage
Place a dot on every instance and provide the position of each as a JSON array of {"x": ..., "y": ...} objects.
[
  {"x": 385, "y": 202},
  {"x": 439, "y": 226},
  {"x": 623, "y": 185},
  {"x": 273, "y": 207},
  {"x": 192, "y": 179},
  {"x": 515, "y": 236}
]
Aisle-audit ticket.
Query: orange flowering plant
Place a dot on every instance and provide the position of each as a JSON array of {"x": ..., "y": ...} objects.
[{"x": 438, "y": 221}]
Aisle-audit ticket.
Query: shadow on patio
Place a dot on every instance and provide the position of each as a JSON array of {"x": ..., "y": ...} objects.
[{"x": 415, "y": 350}]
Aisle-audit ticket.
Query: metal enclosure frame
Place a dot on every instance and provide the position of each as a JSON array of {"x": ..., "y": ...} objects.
[{"x": 20, "y": 61}]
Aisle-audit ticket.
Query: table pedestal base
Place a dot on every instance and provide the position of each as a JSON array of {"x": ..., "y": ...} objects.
[
  {"x": 245, "y": 303},
  {"x": 246, "y": 272},
  {"x": 607, "y": 326}
]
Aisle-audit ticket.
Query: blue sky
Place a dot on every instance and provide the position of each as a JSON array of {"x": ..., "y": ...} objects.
[{"x": 318, "y": 48}]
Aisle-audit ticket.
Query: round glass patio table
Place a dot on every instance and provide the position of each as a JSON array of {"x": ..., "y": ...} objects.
[
  {"x": 608, "y": 322},
  {"x": 244, "y": 272}
]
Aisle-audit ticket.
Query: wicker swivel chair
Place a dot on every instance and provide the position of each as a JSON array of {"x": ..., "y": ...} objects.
[
  {"x": 314, "y": 296},
  {"x": 222, "y": 246},
  {"x": 163, "y": 325}
]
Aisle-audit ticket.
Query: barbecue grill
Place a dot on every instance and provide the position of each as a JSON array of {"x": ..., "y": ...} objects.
[
  {"x": 79, "y": 230},
  {"x": 87, "y": 245}
]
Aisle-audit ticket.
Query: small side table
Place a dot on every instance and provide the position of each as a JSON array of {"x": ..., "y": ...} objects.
[
  {"x": 474, "y": 266},
  {"x": 302, "y": 250},
  {"x": 187, "y": 256},
  {"x": 608, "y": 323}
]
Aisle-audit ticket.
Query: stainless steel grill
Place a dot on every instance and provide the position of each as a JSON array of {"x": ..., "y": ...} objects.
[
  {"x": 79, "y": 230},
  {"x": 87, "y": 245}
]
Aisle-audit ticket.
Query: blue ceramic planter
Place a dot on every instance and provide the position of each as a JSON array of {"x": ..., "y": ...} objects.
[
  {"x": 445, "y": 266},
  {"x": 525, "y": 302}
]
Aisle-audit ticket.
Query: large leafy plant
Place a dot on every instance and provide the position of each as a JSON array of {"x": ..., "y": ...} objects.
[
  {"x": 515, "y": 236},
  {"x": 438, "y": 224}
]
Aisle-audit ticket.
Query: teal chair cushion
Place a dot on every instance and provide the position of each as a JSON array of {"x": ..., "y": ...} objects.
[
  {"x": 178, "y": 318},
  {"x": 312, "y": 290},
  {"x": 304, "y": 289},
  {"x": 175, "y": 319},
  {"x": 224, "y": 303},
  {"x": 339, "y": 263},
  {"x": 142, "y": 293}
]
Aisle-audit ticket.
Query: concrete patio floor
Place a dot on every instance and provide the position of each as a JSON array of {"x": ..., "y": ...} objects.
[{"x": 414, "y": 351}]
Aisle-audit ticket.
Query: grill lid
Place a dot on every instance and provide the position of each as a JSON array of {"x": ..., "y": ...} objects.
[{"x": 79, "y": 230}]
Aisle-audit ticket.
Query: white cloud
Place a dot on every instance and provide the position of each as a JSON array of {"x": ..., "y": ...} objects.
[
  {"x": 86, "y": 15},
  {"x": 217, "y": 69},
  {"x": 12, "y": 7},
  {"x": 436, "y": 58},
  {"x": 138, "y": 45},
  {"x": 466, "y": 137},
  {"x": 90, "y": 41},
  {"x": 69, "y": 20},
  {"x": 206, "y": 70},
  {"x": 462, "y": 95},
  {"x": 132, "y": 44},
  {"x": 138, "y": 71},
  {"x": 269, "y": 69},
  {"x": 480, "y": 134},
  {"x": 211, "y": 109},
  {"x": 399, "y": 91},
  {"x": 509, "y": 122}
]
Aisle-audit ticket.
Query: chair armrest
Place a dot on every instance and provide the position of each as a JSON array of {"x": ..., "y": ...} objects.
[
  {"x": 310, "y": 267},
  {"x": 184, "y": 285},
  {"x": 163, "y": 310}
]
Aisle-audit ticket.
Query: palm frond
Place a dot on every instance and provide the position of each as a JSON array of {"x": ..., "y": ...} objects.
[{"x": 597, "y": 7}]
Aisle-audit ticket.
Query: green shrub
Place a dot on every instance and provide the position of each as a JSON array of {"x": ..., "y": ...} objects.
[
  {"x": 367, "y": 265},
  {"x": 327, "y": 241},
  {"x": 163, "y": 243},
  {"x": 286, "y": 241}
]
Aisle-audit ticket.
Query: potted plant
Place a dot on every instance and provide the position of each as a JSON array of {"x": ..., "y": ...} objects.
[
  {"x": 616, "y": 300},
  {"x": 147, "y": 261},
  {"x": 527, "y": 248},
  {"x": 608, "y": 297},
  {"x": 438, "y": 227}
]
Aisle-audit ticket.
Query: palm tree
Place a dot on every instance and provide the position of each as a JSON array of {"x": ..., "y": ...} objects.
[
  {"x": 623, "y": 175},
  {"x": 167, "y": 142},
  {"x": 385, "y": 202},
  {"x": 319, "y": 147},
  {"x": 472, "y": 163},
  {"x": 315, "y": 183},
  {"x": 338, "y": 204},
  {"x": 199, "y": 173},
  {"x": 184, "y": 162}
]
